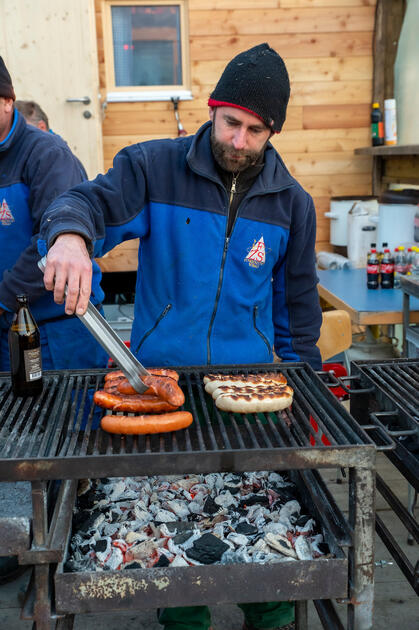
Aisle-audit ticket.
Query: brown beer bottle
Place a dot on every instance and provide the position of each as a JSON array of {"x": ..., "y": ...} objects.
[{"x": 25, "y": 351}]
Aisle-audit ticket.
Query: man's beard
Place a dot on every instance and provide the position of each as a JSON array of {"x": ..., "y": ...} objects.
[{"x": 222, "y": 153}]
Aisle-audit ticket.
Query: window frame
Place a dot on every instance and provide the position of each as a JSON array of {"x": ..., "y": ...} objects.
[{"x": 124, "y": 93}]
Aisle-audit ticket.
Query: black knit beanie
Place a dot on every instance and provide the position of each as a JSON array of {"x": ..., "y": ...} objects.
[
  {"x": 6, "y": 86},
  {"x": 257, "y": 81}
]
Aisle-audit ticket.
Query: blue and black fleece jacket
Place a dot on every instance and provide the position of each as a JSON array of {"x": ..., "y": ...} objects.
[
  {"x": 35, "y": 167},
  {"x": 201, "y": 297}
]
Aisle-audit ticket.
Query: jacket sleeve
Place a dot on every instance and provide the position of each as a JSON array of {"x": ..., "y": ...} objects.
[
  {"x": 296, "y": 308},
  {"x": 106, "y": 211},
  {"x": 50, "y": 169}
]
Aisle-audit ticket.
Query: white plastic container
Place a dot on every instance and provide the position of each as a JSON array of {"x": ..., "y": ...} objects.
[
  {"x": 338, "y": 215},
  {"x": 406, "y": 76},
  {"x": 390, "y": 121},
  {"x": 361, "y": 233},
  {"x": 396, "y": 217}
]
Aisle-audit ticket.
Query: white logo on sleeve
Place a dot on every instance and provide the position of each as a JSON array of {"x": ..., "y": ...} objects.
[
  {"x": 257, "y": 254},
  {"x": 6, "y": 216}
]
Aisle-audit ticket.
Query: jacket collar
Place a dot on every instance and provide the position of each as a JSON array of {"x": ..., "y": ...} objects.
[
  {"x": 273, "y": 177},
  {"x": 17, "y": 124}
]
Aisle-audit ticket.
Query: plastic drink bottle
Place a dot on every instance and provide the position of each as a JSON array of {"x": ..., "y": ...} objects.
[
  {"x": 387, "y": 270},
  {"x": 373, "y": 268}
]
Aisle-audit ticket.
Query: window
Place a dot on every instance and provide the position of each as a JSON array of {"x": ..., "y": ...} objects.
[{"x": 146, "y": 50}]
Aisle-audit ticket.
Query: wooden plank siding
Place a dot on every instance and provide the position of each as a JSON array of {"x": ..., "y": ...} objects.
[{"x": 327, "y": 47}]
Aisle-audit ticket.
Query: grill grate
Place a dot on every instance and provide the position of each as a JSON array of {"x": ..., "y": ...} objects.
[
  {"x": 60, "y": 424},
  {"x": 397, "y": 380}
]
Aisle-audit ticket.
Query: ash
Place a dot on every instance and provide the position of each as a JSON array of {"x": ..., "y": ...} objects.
[{"x": 219, "y": 518}]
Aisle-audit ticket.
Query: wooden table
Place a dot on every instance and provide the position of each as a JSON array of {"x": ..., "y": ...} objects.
[{"x": 347, "y": 289}]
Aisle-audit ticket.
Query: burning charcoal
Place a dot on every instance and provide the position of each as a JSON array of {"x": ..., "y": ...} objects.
[
  {"x": 133, "y": 565},
  {"x": 302, "y": 548},
  {"x": 163, "y": 561},
  {"x": 164, "y": 516},
  {"x": 233, "y": 489},
  {"x": 281, "y": 544},
  {"x": 210, "y": 506},
  {"x": 135, "y": 537},
  {"x": 320, "y": 548},
  {"x": 179, "y": 539},
  {"x": 290, "y": 510},
  {"x": 246, "y": 528},
  {"x": 235, "y": 557},
  {"x": 178, "y": 507},
  {"x": 188, "y": 543},
  {"x": 238, "y": 539},
  {"x": 101, "y": 545},
  {"x": 214, "y": 481},
  {"x": 179, "y": 562},
  {"x": 196, "y": 507},
  {"x": 277, "y": 479},
  {"x": 178, "y": 526},
  {"x": 207, "y": 549},
  {"x": 225, "y": 499},
  {"x": 89, "y": 499},
  {"x": 275, "y": 528},
  {"x": 114, "y": 560},
  {"x": 253, "y": 499},
  {"x": 85, "y": 549},
  {"x": 88, "y": 520},
  {"x": 307, "y": 528},
  {"x": 102, "y": 555},
  {"x": 186, "y": 484},
  {"x": 109, "y": 529},
  {"x": 285, "y": 494}
]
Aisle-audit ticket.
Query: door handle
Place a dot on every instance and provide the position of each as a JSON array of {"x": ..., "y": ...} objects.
[{"x": 83, "y": 99}]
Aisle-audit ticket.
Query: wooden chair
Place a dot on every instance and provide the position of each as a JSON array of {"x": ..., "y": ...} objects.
[{"x": 335, "y": 334}]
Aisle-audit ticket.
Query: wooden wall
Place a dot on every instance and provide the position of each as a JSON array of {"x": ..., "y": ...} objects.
[{"x": 327, "y": 46}]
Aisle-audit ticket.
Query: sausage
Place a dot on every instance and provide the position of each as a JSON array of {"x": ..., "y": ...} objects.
[
  {"x": 117, "y": 374},
  {"x": 125, "y": 388},
  {"x": 166, "y": 388},
  {"x": 135, "y": 425},
  {"x": 140, "y": 403}
]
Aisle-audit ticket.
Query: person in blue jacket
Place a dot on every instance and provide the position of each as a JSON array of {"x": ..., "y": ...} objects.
[
  {"x": 35, "y": 167},
  {"x": 226, "y": 265}
]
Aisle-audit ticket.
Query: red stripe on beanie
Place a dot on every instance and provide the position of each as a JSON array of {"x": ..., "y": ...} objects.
[{"x": 214, "y": 103}]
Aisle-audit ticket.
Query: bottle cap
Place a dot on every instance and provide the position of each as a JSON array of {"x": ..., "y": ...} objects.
[
  {"x": 21, "y": 297},
  {"x": 376, "y": 105}
]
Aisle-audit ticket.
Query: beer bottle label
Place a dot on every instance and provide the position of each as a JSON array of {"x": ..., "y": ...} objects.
[{"x": 33, "y": 364}]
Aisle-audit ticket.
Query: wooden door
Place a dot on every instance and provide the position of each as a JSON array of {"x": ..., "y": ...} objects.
[{"x": 50, "y": 50}]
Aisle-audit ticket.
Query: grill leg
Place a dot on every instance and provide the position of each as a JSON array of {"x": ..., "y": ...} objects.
[
  {"x": 42, "y": 607},
  {"x": 301, "y": 615},
  {"x": 361, "y": 556}
]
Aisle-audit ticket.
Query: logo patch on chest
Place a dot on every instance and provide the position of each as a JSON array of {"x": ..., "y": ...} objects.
[
  {"x": 6, "y": 216},
  {"x": 257, "y": 254}
]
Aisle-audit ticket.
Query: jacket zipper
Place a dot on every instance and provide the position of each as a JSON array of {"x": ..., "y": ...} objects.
[
  {"x": 259, "y": 332},
  {"x": 148, "y": 333},
  {"x": 220, "y": 278}
]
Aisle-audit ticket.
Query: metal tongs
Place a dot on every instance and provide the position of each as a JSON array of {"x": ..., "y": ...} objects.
[{"x": 111, "y": 342}]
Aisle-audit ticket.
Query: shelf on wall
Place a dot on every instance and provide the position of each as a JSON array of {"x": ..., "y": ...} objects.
[{"x": 389, "y": 150}]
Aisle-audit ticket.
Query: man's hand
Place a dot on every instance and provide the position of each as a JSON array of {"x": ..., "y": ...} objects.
[{"x": 68, "y": 263}]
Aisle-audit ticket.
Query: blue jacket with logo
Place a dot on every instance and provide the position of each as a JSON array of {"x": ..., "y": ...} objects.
[
  {"x": 202, "y": 298},
  {"x": 35, "y": 167}
]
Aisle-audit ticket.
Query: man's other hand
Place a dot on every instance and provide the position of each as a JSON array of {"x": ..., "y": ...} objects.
[{"x": 68, "y": 263}]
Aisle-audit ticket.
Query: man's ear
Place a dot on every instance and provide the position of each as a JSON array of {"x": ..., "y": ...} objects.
[
  {"x": 41, "y": 125},
  {"x": 211, "y": 113}
]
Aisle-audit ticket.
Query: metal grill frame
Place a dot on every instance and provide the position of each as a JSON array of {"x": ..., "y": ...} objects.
[
  {"x": 356, "y": 452},
  {"x": 389, "y": 398}
]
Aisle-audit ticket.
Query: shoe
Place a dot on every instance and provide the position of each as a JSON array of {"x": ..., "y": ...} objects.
[{"x": 289, "y": 626}]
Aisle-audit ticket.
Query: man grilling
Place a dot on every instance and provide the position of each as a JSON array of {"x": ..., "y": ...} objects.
[{"x": 226, "y": 270}]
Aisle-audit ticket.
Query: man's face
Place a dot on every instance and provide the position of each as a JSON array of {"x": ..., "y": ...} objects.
[
  {"x": 237, "y": 138},
  {"x": 6, "y": 115}
]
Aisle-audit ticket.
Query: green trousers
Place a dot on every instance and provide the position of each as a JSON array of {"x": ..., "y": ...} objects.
[{"x": 263, "y": 615}]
